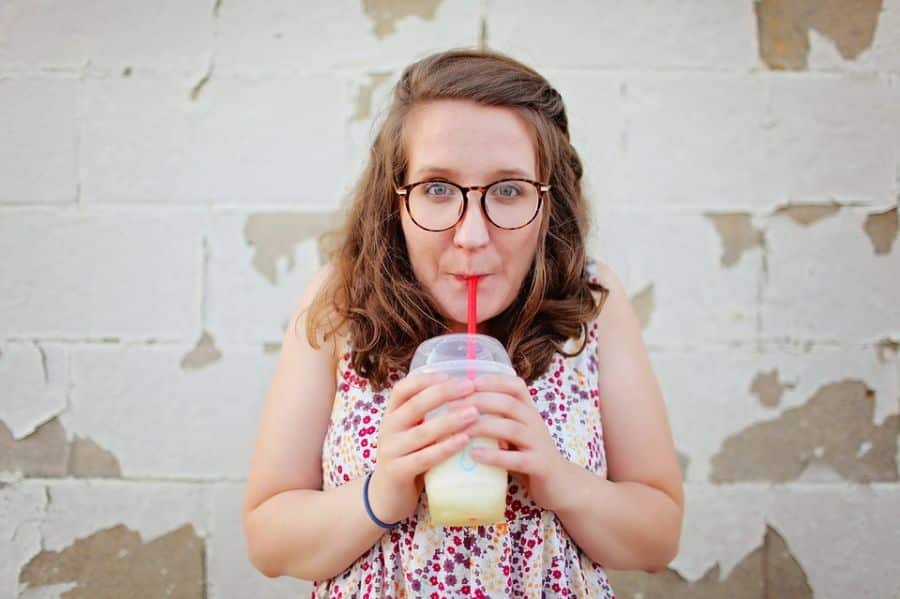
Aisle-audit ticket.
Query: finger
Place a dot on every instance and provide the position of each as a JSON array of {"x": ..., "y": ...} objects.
[
  {"x": 503, "y": 383},
  {"x": 434, "y": 429},
  {"x": 415, "y": 408},
  {"x": 501, "y": 404},
  {"x": 497, "y": 427},
  {"x": 410, "y": 386},
  {"x": 420, "y": 461},
  {"x": 512, "y": 461}
]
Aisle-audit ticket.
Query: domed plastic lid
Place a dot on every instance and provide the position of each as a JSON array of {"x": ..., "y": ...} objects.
[{"x": 449, "y": 353}]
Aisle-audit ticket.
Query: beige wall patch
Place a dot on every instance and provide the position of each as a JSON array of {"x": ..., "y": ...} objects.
[{"x": 784, "y": 25}]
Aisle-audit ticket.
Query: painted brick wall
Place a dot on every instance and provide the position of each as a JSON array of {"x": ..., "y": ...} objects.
[{"x": 167, "y": 167}]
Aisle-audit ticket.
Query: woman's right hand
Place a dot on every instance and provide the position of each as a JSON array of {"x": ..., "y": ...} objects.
[{"x": 409, "y": 445}]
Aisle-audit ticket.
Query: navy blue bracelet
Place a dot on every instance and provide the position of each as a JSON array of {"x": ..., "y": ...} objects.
[{"x": 369, "y": 507}]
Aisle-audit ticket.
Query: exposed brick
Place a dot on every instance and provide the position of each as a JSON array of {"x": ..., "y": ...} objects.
[{"x": 729, "y": 405}]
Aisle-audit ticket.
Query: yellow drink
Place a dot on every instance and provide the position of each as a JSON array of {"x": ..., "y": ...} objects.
[{"x": 462, "y": 492}]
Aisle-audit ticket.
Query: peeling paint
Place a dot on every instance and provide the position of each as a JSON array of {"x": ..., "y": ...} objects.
[
  {"x": 274, "y": 235},
  {"x": 644, "y": 302},
  {"x": 770, "y": 570},
  {"x": 808, "y": 214},
  {"x": 737, "y": 234},
  {"x": 44, "y": 453},
  {"x": 882, "y": 228},
  {"x": 386, "y": 13},
  {"x": 204, "y": 354},
  {"x": 114, "y": 561},
  {"x": 89, "y": 460},
  {"x": 364, "y": 97},
  {"x": 47, "y": 453},
  {"x": 34, "y": 379},
  {"x": 826, "y": 432},
  {"x": 784, "y": 26},
  {"x": 768, "y": 388}
]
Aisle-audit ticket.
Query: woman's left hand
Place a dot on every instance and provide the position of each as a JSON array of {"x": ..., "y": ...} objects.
[{"x": 509, "y": 415}]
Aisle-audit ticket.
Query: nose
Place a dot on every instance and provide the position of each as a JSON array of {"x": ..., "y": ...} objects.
[{"x": 472, "y": 231}]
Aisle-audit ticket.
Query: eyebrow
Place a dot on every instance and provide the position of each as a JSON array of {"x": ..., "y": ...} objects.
[{"x": 450, "y": 173}]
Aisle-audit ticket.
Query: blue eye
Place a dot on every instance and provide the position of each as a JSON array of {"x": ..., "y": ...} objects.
[
  {"x": 506, "y": 190},
  {"x": 438, "y": 189}
]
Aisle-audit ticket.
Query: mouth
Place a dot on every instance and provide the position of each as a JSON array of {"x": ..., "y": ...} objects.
[{"x": 465, "y": 277}]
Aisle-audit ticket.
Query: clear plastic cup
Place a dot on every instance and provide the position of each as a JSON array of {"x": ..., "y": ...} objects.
[{"x": 461, "y": 491}]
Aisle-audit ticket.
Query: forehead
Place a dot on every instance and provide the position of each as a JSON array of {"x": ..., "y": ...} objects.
[{"x": 471, "y": 140}]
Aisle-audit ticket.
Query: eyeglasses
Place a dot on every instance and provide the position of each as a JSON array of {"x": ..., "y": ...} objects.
[{"x": 437, "y": 205}]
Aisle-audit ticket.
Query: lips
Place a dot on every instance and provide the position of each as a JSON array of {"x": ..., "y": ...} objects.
[{"x": 464, "y": 277}]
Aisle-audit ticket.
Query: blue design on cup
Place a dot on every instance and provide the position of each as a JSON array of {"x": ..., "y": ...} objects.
[{"x": 466, "y": 463}]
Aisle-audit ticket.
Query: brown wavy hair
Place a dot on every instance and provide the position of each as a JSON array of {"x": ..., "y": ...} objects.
[{"x": 372, "y": 293}]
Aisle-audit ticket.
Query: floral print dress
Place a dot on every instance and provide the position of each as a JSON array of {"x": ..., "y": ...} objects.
[{"x": 530, "y": 555}]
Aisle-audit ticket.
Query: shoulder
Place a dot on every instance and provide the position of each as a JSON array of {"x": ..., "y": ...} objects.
[
  {"x": 313, "y": 303},
  {"x": 600, "y": 274}
]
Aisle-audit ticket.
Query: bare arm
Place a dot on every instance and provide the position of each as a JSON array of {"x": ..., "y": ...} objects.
[
  {"x": 292, "y": 526},
  {"x": 633, "y": 520}
]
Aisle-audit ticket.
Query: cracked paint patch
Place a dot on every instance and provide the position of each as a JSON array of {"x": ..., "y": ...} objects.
[
  {"x": 770, "y": 570},
  {"x": 737, "y": 234},
  {"x": 833, "y": 431},
  {"x": 881, "y": 229},
  {"x": 203, "y": 355},
  {"x": 644, "y": 302},
  {"x": 34, "y": 379},
  {"x": 768, "y": 388},
  {"x": 364, "y": 96},
  {"x": 386, "y": 13},
  {"x": 115, "y": 562},
  {"x": 784, "y": 25},
  {"x": 44, "y": 453},
  {"x": 47, "y": 453},
  {"x": 274, "y": 235},
  {"x": 808, "y": 214},
  {"x": 89, "y": 460}
]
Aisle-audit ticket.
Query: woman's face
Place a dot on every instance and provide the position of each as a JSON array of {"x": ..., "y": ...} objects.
[{"x": 470, "y": 144}]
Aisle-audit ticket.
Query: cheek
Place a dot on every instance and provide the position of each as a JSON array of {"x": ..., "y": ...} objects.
[{"x": 423, "y": 249}]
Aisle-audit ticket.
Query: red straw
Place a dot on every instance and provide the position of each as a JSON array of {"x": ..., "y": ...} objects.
[{"x": 472, "y": 325}]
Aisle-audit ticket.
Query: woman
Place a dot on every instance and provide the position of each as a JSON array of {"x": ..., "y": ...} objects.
[{"x": 471, "y": 174}]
